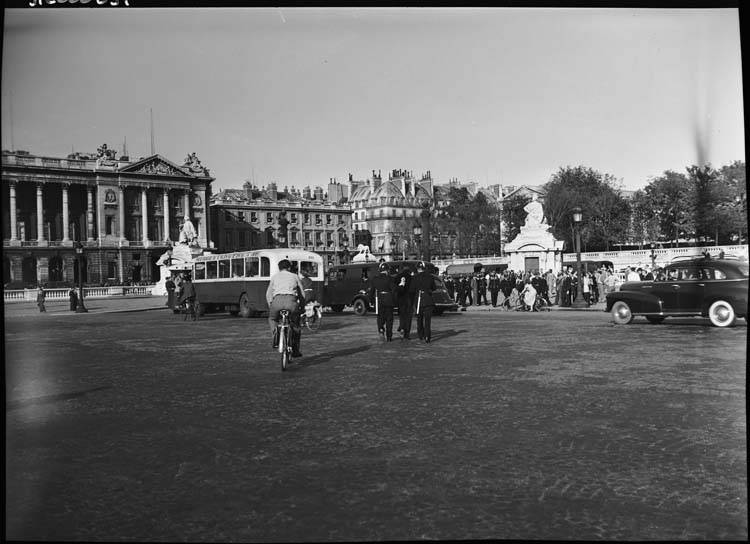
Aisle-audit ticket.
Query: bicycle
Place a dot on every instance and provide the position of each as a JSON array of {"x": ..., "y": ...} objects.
[
  {"x": 188, "y": 306},
  {"x": 312, "y": 316},
  {"x": 284, "y": 336}
]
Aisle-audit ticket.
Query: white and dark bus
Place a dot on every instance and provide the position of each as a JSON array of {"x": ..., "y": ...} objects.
[{"x": 237, "y": 282}]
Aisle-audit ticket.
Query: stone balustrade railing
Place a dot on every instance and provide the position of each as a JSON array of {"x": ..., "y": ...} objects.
[{"x": 21, "y": 295}]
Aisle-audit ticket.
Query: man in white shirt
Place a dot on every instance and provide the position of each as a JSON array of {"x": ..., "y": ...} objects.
[
  {"x": 284, "y": 291},
  {"x": 632, "y": 275}
]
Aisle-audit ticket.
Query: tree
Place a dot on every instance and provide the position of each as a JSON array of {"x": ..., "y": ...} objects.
[
  {"x": 672, "y": 203},
  {"x": 513, "y": 215},
  {"x": 604, "y": 209}
]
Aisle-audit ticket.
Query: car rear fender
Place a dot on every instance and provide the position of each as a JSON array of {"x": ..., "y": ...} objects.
[
  {"x": 739, "y": 303},
  {"x": 639, "y": 302}
]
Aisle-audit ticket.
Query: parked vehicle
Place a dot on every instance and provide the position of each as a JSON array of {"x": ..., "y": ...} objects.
[
  {"x": 238, "y": 281},
  {"x": 716, "y": 289},
  {"x": 348, "y": 284}
]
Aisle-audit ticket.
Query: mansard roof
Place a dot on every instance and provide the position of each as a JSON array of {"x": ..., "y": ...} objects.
[{"x": 388, "y": 189}]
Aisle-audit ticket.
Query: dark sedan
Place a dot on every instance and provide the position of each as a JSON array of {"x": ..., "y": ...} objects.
[{"x": 716, "y": 289}]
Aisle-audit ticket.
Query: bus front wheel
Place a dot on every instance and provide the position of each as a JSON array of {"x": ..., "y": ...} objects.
[
  {"x": 360, "y": 308},
  {"x": 245, "y": 309}
]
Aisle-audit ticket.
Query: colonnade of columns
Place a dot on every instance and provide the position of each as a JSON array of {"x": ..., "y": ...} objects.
[{"x": 90, "y": 232}]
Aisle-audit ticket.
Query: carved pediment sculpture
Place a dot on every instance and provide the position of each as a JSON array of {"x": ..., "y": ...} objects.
[{"x": 193, "y": 163}]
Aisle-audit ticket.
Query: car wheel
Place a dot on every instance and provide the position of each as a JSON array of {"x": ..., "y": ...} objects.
[
  {"x": 360, "y": 308},
  {"x": 722, "y": 314},
  {"x": 245, "y": 309},
  {"x": 621, "y": 313},
  {"x": 654, "y": 319},
  {"x": 337, "y": 307}
]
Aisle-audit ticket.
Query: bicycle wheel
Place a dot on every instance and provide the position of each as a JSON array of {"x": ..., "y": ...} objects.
[
  {"x": 313, "y": 322},
  {"x": 284, "y": 346}
]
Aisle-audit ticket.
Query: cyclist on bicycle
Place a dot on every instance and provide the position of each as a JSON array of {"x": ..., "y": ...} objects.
[{"x": 283, "y": 293}]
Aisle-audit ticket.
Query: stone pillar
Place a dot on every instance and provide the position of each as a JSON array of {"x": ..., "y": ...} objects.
[
  {"x": 39, "y": 214},
  {"x": 121, "y": 212},
  {"x": 144, "y": 215},
  {"x": 186, "y": 203},
  {"x": 204, "y": 236},
  {"x": 13, "y": 212},
  {"x": 99, "y": 216},
  {"x": 166, "y": 214},
  {"x": 89, "y": 214},
  {"x": 65, "y": 214}
]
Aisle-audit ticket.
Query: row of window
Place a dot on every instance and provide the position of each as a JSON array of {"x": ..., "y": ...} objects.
[
  {"x": 247, "y": 267},
  {"x": 272, "y": 217},
  {"x": 244, "y": 239},
  {"x": 393, "y": 212}
]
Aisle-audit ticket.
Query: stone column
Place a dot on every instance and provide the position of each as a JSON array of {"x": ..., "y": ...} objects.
[
  {"x": 166, "y": 214},
  {"x": 144, "y": 215},
  {"x": 121, "y": 212},
  {"x": 89, "y": 214},
  {"x": 204, "y": 240},
  {"x": 39, "y": 214},
  {"x": 186, "y": 203},
  {"x": 99, "y": 215},
  {"x": 13, "y": 212},
  {"x": 65, "y": 213}
]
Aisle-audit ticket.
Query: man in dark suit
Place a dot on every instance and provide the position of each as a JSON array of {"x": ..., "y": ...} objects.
[
  {"x": 383, "y": 290},
  {"x": 403, "y": 298},
  {"x": 421, "y": 288}
]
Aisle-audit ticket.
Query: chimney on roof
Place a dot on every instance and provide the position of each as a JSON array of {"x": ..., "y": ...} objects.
[{"x": 306, "y": 194}]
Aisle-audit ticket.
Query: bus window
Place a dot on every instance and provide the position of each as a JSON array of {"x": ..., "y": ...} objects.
[
  {"x": 251, "y": 266},
  {"x": 224, "y": 268},
  {"x": 265, "y": 267},
  {"x": 310, "y": 268},
  {"x": 200, "y": 271},
  {"x": 238, "y": 268},
  {"x": 211, "y": 270}
]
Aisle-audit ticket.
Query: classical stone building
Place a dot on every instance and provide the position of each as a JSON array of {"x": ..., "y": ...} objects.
[
  {"x": 251, "y": 218},
  {"x": 387, "y": 210},
  {"x": 124, "y": 213}
]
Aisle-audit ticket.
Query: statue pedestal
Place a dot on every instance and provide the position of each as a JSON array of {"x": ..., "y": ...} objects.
[
  {"x": 535, "y": 249},
  {"x": 180, "y": 260}
]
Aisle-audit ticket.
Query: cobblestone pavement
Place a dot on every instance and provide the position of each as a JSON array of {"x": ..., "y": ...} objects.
[{"x": 559, "y": 425}]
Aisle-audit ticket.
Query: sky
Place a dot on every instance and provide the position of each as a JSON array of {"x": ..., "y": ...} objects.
[{"x": 298, "y": 96}]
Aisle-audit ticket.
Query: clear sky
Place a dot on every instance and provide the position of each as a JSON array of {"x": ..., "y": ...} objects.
[{"x": 302, "y": 95}]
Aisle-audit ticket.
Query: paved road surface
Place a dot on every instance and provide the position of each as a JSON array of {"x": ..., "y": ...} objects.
[{"x": 138, "y": 426}]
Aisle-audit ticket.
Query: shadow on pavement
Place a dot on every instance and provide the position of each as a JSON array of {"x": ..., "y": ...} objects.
[
  {"x": 442, "y": 335},
  {"x": 49, "y": 399},
  {"x": 323, "y": 357}
]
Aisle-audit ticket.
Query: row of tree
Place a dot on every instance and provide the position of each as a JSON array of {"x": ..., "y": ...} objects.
[{"x": 703, "y": 205}]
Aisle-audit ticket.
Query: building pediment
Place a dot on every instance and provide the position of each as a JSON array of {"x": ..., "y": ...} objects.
[{"x": 156, "y": 165}]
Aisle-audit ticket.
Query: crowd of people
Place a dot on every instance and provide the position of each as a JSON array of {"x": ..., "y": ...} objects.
[{"x": 531, "y": 290}]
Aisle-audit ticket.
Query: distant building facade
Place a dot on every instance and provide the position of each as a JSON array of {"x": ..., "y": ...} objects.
[
  {"x": 124, "y": 213},
  {"x": 384, "y": 212},
  {"x": 251, "y": 218}
]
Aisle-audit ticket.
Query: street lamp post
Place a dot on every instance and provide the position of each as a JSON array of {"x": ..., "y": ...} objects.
[
  {"x": 579, "y": 302},
  {"x": 653, "y": 259},
  {"x": 80, "y": 308},
  {"x": 417, "y": 230}
]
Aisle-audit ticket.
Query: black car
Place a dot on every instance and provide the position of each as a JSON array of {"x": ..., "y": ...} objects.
[
  {"x": 716, "y": 289},
  {"x": 348, "y": 284}
]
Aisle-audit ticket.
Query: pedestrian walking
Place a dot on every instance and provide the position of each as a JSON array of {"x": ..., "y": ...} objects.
[
  {"x": 421, "y": 288},
  {"x": 40, "y": 296},
  {"x": 481, "y": 289},
  {"x": 383, "y": 292},
  {"x": 404, "y": 301},
  {"x": 73, "y": 296},
  {"x": 170, "y": 286},
  {"x": 493, "y": 284}
]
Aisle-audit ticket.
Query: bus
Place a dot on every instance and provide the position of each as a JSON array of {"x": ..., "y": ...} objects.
[{"x": 237, "y": 282}]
